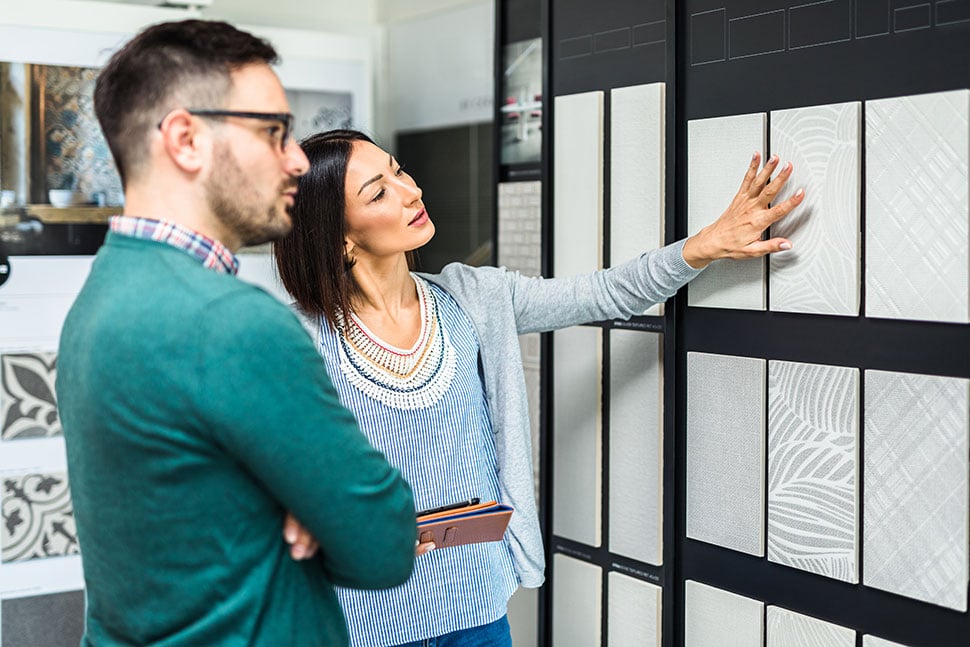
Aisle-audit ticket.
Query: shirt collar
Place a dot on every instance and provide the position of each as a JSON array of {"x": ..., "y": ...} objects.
[{"x": 211, "y": 253}]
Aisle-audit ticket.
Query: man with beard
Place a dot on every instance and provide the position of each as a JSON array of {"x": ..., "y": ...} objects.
[{"x": 196, "y": 411}]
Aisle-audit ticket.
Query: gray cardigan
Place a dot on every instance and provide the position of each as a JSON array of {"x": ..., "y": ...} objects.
[{"x": 502, "y": 305}]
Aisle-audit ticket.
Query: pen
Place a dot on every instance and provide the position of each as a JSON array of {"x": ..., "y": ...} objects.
[{"x": 450, "y": 506}]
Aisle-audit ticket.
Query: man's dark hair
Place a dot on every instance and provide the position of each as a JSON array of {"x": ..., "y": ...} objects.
[{"x": 170, "y": 65}]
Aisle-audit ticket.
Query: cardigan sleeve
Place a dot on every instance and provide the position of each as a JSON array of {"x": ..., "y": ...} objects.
[
  {"x": 619, "y": 292},
  {"x": 269, "y": 401}
]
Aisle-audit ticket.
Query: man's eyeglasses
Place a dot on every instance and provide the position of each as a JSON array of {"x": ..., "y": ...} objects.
[{"x": 284, "y": 118}]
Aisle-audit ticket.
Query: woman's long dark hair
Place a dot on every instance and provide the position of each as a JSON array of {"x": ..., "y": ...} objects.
[{"x": 311, "y": 259}]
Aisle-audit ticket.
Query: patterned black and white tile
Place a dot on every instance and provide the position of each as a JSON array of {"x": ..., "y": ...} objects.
[
  {"x": 38, "y": 517},
  {"x": 28, "y": 405}
]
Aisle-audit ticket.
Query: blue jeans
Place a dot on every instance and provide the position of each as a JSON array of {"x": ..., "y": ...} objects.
[{"x": 494, "y": 634}]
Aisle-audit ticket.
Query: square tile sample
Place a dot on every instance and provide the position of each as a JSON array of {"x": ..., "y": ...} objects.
[
  {"x": 636, "y": 445},
  {"x": 578, "y": 189},
  {"x": 54, "y": 620},
  {"x": 717, "y": 618},
  {"x": 726, "y": 451},
  {"x": 917, "y": 209},
  {"x": 637, "y": 180},
  {"x": 916, "y": 486},
  {"x": 718, "y": 153},
  {"x": 38, "y": 518},
  {"x": 789, "y": 629},
  {"x": 28, "y": 406},
  {"x": 577, "y": 602},
  {"x": 813, "y": 467},
  {"x": 577, "y": 432},
  {"x": 821, "y": 272},
  {"x": 634, "y": 611},
  {"x": 872, "y": 641}
]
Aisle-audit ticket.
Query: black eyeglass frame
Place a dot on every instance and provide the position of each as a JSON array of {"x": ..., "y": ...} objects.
[{"x": 285, "y": 118}]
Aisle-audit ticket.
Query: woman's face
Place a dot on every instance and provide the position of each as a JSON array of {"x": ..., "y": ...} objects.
[{"x": 383, "y": 211}]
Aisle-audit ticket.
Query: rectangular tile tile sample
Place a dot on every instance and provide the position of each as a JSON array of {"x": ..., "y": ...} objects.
[
  {"x": 915, "y": 538},
  {"x": 637, "y": 180},
  {"x": 634, "y": 613},
  {"x": 28, "y": 406},
  {"x": 578, "y": 189},
  {"x": 520, "y": 227},
  {"x": 813, "y": 467},
  {"x": 821, "y": 273},
  {"x": 577, "y": 432},
  {"x": 38, "y": 518},
  {"x": 726, "y": 451},
  {"x": 789, "y": 629},
  {"x": 717, "y": 618},
  {"x": 54, "y": 620},
  {"x": 636, "y": 445},
  {"x": 718, "y": 153},
  {"x": 872, "y": 641},
  {"x": 576, "y": 602},
  {"x": 917, "y": 207}
]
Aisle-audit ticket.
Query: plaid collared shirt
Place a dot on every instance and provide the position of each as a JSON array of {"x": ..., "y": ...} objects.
[{"x": 211, "y": 253}]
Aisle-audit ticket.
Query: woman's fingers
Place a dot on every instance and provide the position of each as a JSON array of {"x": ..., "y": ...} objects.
[
  {"x": 758, "y": 186},
  {"x": 750, "y": 174}
]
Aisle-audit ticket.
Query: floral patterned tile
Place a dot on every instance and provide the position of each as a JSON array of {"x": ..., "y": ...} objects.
[
  {"x": 28, "y": 408},
  {"x": 38, "y": 517}
]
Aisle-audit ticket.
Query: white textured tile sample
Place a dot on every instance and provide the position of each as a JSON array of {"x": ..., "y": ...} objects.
[
  {"x": 917, "y": 207},
  {"x": 717, "y": 618},
  {"x": 576, "y": 602},
  {"x": 637, "y": 177},
  {"x": 916, "y": 486},
  {"x": 634, "y": 612},
  {"x": 577, "y": 431},
  {"x": 726, "y": 451},
  {"x": 872, "y": 641},
  {"x": 789, "y": 629},
  {"x": 718, "y": 154},
  {"x": 578, "y": 189},
  {"x": 636, "y": 445},
  {"x": 821, "y": 273},
  {"x": 813, "y": 466}
]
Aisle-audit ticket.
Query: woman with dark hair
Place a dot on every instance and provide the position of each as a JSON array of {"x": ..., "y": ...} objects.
[{"x": 430, "y": 364}]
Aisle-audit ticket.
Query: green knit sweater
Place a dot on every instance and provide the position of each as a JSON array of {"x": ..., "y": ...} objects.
[{"x": 196, "y": 412}]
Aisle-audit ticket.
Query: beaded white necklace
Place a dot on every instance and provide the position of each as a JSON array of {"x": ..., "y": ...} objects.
[{"x": 404, "y": 379}]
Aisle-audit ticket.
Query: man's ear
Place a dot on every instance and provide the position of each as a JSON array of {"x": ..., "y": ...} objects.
[{"x": 184, "y": 141}]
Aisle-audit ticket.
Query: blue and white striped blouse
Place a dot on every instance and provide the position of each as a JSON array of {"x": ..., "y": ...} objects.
[{"x": 446, "y": 452}]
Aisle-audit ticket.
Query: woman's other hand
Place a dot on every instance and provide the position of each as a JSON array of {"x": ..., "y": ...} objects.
[{"x": 737, "y": 233}]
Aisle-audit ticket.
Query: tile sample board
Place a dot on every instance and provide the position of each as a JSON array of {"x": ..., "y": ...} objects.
[
  {"x": 578, "y": 189},
  {"x": 636, "y": 445},
  {"x": 872, "y": 641},
  {"x": 789, "y": 629},
  {"x": 634, "y": 613},
  {"x": 726, "y": 451},
  {"x": 813, "y": 467},
  {"x": 38, "y": 518},
  {"x": 717, "y": 618},
  {"x": 577, "y": 431},
  {"x": 820, "y": 274},
  {"x": 917, "y": 211},
  {"x": 637, "y": 179},
  {"x": 53, "y": 620},
  {"x": 718, "y": 154},
  {"x": 576, "y": 602},
  {"x": 916, "y": 486},
  {"x": 28, "y": 406}
]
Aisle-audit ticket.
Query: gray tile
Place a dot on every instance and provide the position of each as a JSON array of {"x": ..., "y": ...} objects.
[
  {"x": 726, "y": 451},
  {"x": 54, "y": 620}
]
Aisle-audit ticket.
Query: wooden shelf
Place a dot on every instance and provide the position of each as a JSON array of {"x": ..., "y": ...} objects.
[{"x": 50, "y": 214}]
